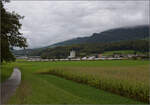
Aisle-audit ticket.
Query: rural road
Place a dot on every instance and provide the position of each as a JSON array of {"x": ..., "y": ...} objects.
[{"x": 8, "y": 88}]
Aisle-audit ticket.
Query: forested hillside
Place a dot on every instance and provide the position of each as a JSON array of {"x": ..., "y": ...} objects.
[{"x": 131, "y": 38}]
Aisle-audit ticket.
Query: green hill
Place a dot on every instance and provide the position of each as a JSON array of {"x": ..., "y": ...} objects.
[
  {"x": 110, "y": 36},
  {"x": 113, "y": 35}
]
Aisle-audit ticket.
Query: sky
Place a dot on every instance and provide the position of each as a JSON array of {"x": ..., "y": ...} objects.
[{"x": 49, "y": 22}]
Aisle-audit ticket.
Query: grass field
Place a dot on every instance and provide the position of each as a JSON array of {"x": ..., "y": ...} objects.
[
  {"x": 130, "y": 77},
  {"x": 107, "y": 53}
]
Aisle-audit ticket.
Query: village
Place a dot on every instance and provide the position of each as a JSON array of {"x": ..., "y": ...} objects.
[{"x": 73, "y": 57}]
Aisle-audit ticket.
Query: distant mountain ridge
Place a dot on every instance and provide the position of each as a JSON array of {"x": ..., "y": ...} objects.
[{"x": 112, "y": 35}]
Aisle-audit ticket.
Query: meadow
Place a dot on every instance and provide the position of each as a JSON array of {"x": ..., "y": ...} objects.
[{"x": 82, "y": 82}]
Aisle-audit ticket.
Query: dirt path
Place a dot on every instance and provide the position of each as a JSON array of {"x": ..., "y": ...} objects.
[{"x": 8, "y": 88}]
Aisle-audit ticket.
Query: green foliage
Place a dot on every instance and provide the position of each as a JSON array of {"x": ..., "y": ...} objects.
[{"x": 10, "y": 35}]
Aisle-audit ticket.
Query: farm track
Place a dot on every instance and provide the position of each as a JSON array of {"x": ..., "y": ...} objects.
[{"x": 8, "y": 88}]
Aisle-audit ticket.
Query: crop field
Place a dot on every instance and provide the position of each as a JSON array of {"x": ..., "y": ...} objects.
[
  {"x": 126, "y": 78},
  {"x": 82, "y": 82}
]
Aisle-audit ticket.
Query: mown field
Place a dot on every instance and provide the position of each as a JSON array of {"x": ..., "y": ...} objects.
[{"x": 82, "y": 82}]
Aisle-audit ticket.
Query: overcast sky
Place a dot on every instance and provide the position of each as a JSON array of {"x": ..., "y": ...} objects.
[{"x": 48, "y": 22}]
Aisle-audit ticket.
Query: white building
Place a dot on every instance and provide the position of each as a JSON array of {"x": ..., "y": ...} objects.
[
  {"x": 91, "y": 58},
  {"x": 84, "y": 58},
  {"x": 72, "y": 54}
]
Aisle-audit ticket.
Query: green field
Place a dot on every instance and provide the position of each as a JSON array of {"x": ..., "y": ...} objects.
[
  {"x": 107, "y": 53},
  {"x": 81, "y": 82}
]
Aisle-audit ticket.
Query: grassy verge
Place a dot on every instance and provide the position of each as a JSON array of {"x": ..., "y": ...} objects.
[{"x": 5, "y": 71}]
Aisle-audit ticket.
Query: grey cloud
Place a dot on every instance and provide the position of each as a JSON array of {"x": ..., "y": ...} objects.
[{"x": 48, "y": 22}]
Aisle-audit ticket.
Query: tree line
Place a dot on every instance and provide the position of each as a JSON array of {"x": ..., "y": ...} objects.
[{"x": 93, "y": 48}]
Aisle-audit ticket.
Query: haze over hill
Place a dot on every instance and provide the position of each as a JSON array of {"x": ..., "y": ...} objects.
[{"x": 113, "y": 35}]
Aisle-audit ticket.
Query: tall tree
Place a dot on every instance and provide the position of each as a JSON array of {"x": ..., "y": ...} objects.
[{"x": 10, "y": 35}]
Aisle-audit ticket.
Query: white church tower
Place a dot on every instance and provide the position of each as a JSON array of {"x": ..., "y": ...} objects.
[{"x": 72, "y": 54}]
